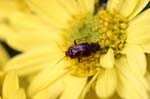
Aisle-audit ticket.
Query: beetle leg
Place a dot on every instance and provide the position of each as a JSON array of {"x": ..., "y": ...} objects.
[
  {"x": 75, "y": 43},
  {"x": 79, "y": 59}
]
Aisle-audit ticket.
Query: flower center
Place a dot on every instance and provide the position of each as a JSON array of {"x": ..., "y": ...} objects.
[
  {"x": 106, "y": 29},
  {"x": 112, "y": 31}
]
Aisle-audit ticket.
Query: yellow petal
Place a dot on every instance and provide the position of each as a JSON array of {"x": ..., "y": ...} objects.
[
  {"x": 43, "y": 94},
  {"x": 4, "y": 57},
  {"x": 29, "y": 39},
  {"x": 30, "y": 32},
  {"x": 56, "y": 89},
  {"x": 52, "y": 91},
  {"x": 88, "y": 85},
  {"x": 128, "y": 80},
  {"x": 82, "y": 5},
  {"x": 106, "y": 83},
  {"x": 71, "y": 6},
  {"x": 91, "y": 95},
  {"x": 114, "y": 4},
  {"x": 141, "y": 37},
  {"x": 5, "y": 30},
  {"x": 23, "y": 21},
  {"x": 148, "y": 79},
  {"x": 128, "y": 7},
  {"x": 47, "y": 77},
  {"x": 7, "y": 7},
  {"x": 139, "y": 7},
  {"x": 125, "y": 86},
  {"x": 2, "y": 76},
  {"x": 140, "y": 20},
  {"x": 73, "y": 87},
  {"x": 50, "y": 11},
  {"x": 139, "y": 31},
  {"x": 90, "y": 5},
  {"x": 136, "y": 59},
  {"x": 87, "y": 5},
  {"x": 18, "y": 94},
  {"x": 11, "y": 84},
  {"x": 34, "y": 60},
  {"x": 148, "y": 63},
  {"x": 107, "y": 60}
]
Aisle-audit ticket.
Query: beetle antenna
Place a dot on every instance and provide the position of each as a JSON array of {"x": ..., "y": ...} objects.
[
  {"x": 60, "y": 47},
  {"x": 59, "y": 61},
  {"x": 79, "y": 39}
]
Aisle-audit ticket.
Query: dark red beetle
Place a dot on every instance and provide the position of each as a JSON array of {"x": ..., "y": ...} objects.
[{"x": 82, "y": 50}]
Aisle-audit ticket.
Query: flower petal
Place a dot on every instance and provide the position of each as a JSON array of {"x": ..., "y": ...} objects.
[
  {"x": 90, "y": 5},
  {"x": 139, "y": 7},
  {"x": 91, "y": 95},
  {"x": 7, "y": 7},
  {"x": 148, "y": 79},
  {"x": 127, "y": 7},
  {"x": 128, "y": 80},
  {"x": 106, "y": 83},
  {"x": 148, "y": 62},
  {"x": 125, "y": 86},
  {"x": 107, "y": 60},
  {"x": 43, "y": 94},
  {"x": 140, "y": 20},
  {"x": 87, "y": 5},
  {"x": 34, "y": 60},
  {"x": 136, "y": 59},
  {"x": 73, "y": 87},
  {"x": 11, "y": 84},
  {"x": 4, "y": 57},
  {"x": 5, "y": 30},
  {"x": 141, "y": 38},
  {"x": 22, "y": 21},
  {"x": 30, "y": 32},
  {"x": 114, "y": 4},
  {"x": 18, "y": 94},
  {"x": 47, "y": 77},
  {"x": 139, "y": 30},
  {"x": 29, "y": 39},
  {"x": 45, "y": 9},
  {"x": 72, "y": 6},
  {"x": 2, "y": 76},
  {"x": 52, "y": 91}
]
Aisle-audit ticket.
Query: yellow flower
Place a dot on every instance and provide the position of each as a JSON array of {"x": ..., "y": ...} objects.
[
  {"x": 11, "y": 88},
  {"x": 121, "y": 31}
]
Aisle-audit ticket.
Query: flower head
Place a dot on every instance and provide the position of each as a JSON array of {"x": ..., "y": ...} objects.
[{"x": 117, "y": 64}]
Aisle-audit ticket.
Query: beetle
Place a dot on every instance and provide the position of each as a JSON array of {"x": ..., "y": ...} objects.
[{"x": 82, "y": 50}]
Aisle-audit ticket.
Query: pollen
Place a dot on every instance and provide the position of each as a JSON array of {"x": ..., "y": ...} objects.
[
  {"x": 105, "y": 28},
  {"x": 112, "y": 31}
]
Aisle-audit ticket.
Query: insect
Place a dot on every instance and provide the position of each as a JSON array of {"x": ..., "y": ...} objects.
[{"x": 82, "y": 50}]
